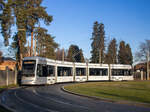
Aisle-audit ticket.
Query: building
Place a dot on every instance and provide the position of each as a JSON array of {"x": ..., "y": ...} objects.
[{"x": 7, "y": 61}]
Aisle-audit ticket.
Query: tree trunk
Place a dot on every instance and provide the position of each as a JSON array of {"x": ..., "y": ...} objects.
[
  {"x": 20, "y": 55},
  {"x": 100, "y": 56}
]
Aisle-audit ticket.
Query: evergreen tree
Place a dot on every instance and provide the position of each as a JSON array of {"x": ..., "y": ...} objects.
[
  {"x": 98, "y": 43},
  {"x": 6, "y": 19},
  {"x": 101, "y": 42},
  {"x": 15, "y": 48},
  {"x": 122, "y": 59},
  {"x": 25, "y": 15},
  {"x": 111, "y": 56},
  {"x": 94, "y": 52},
  {"x": 81, "y": 56},
  {"x": 129, "y": 55},
  {"x": 75, "y": 54},
  {"x": 35, "y": 13},
  {"x": 46, "y": 45}
]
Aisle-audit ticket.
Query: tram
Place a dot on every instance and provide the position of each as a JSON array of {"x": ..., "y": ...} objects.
[{"x": 38, "y": 70}]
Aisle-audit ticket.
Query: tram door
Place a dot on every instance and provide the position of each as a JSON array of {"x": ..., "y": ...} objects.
[{"x": 42, "y": 74}]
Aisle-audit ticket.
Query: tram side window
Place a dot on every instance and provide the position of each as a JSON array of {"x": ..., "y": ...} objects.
[
  {"x": 98, "y": 72},
  {"x": 80, "y": 71},
  {"x": 45, "y": 70},
  {"x": 121, "y": 72},
  {"x": 64, "y": 71}
]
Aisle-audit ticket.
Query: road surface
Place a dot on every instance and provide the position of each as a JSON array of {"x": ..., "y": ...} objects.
[{"x": 52, "y": 99}]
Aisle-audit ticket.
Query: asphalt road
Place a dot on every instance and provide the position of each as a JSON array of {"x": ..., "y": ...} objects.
[{"x": 53, "y": 99}]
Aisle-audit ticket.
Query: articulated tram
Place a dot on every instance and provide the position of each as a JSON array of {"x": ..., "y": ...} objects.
[{"x": 38, "y": 70}]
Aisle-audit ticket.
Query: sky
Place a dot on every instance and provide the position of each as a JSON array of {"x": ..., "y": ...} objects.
[{"x": 127, "y": 20}]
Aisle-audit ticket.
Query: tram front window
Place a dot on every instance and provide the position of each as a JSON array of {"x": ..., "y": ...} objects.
[{"x": 28, "y": 68}]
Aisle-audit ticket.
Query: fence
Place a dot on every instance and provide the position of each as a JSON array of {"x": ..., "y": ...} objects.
[
  {"x": 140, "y": 75},
  {"x": 8, "y": 77}
]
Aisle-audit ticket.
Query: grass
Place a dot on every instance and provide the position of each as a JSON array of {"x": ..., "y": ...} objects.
[
  {"x": 2, "y": 109},
  {"x": 5, "y": 87},
  {"x": 138, "y": 91}
]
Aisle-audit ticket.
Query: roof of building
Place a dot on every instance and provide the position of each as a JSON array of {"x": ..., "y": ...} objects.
[{"x": 8, "y": 59}]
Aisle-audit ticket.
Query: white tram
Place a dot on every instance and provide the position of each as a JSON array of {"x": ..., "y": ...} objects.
[{"x": 38, "y": 70}]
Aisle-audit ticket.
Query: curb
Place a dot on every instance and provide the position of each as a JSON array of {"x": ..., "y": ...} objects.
[{"x": 108, "y": 100}]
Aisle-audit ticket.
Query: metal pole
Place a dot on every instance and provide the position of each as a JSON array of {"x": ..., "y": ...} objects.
[
  {"x": 34, "y": 47},
  {"x": 56, "y": 73},
  {"x": 142, "y": 75},
  {"x": 109, "y": 72},
  {"x": 63, "y": 54},
  {"x": 31, "y": 52}
]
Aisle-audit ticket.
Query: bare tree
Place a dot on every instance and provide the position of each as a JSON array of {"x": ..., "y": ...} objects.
[
  {"x": 144, "y": 54},
  {"x": 61, "y": 54},
  {"x": 141, "y": 54}
]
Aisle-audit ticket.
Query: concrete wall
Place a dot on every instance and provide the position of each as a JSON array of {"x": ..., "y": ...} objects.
[{"x": 7, "y": 77}]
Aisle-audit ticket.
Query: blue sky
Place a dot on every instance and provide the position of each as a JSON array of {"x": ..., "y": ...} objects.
[{"x": 127, "y": 20}]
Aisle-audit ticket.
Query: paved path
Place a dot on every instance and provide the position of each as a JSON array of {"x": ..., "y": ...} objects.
[{"x": 53, "y": 99}]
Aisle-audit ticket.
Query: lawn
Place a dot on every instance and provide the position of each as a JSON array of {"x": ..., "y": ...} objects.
[{"x": 138, "y": 91}]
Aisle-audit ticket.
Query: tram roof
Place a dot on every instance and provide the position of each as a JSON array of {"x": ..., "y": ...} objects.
[{"x": 78, "y": 63}]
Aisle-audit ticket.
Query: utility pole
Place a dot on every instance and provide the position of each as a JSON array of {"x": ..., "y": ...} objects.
[
  {"x": 63, "y": 54},
  {"x": 34, "y": 47},
  {"x": 28, "y": 49},
  {"x": 148, "y": 65},
  {"x": 31, "y": 50}
]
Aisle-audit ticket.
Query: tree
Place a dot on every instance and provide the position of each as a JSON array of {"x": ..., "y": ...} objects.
[
  {"x": 111, "y": 56},
  {"x": 101, "y": 42},
  {"x": 46, "y": 45},
  {"x": 1, "y": 5},
  {"x": 129, "y": 55},
  {"x": 94, "y": 51},
  {"x": 144, "y": 48},
  {"x": 144, "y": 54},
  {"x": 35, "y": 13},
  {"x": 81, "y": 56},
  {"x": 25, "y": 15},
  {"x": 122, "y": 53},
  {"x": 6, "y": 20},
  {"x": 75, "y": 54},
  {"x": 60, "y": 54},
  {"x": 98, "y": 43},
  {"x": 125, "y": 54}
]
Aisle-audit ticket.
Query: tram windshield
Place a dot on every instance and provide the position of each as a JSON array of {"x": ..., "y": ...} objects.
[{"x": 28, "y": 68}]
